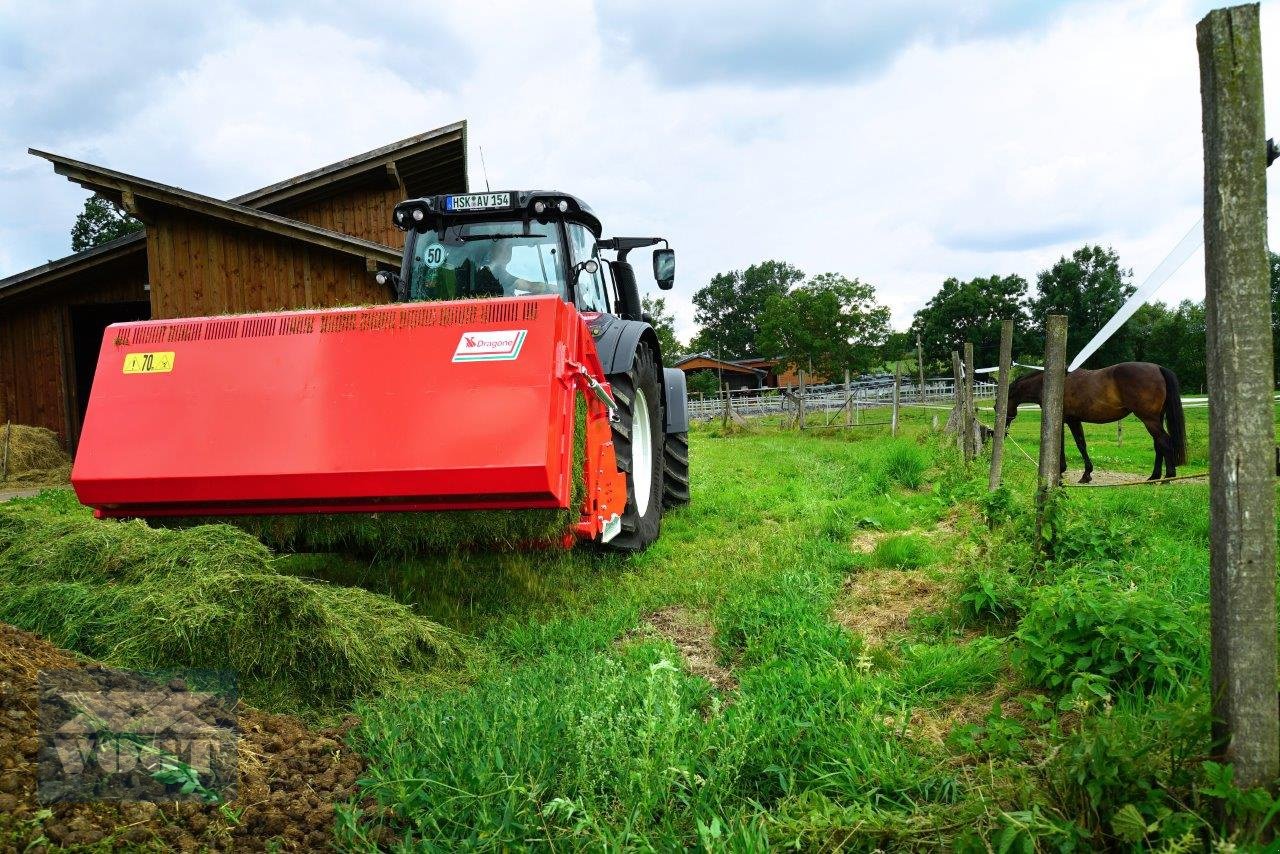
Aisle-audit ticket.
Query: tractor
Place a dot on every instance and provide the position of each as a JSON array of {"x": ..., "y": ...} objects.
[{"x": 514, "y": 370}]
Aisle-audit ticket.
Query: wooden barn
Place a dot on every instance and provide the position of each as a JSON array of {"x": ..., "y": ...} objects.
[
  {"x": 745, "y": 373},
  {"x": 310, "y": 241}
]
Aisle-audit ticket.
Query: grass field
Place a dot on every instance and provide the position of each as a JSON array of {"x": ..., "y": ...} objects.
[
  {"x": 860, "y": 661},
  {"x": 840, "y": 644}
]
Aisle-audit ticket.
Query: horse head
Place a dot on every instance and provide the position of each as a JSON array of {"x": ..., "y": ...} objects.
[{"x": 1025, "y": 389}]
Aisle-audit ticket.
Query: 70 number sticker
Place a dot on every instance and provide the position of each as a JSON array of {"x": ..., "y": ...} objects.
[{"x": 148, "y": 363}]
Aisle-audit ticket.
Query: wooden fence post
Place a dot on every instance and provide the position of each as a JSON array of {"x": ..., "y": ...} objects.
[
  {"x": 848, "y": 401},
  {"x": 967, "y": 416},
  {"x": 1242, "y": 539},
  {"x": 958, "y": 386},
  {"x": 800, "y": 403},
  {"x": 920, "y": 366},
  {"x": 1002, "y": 405},
  {"x": 1055, "y": 371},
  {"x": 897, "y": 389}
]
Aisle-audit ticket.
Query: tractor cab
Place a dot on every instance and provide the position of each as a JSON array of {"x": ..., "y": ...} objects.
[{"x": 514, "y": 244}]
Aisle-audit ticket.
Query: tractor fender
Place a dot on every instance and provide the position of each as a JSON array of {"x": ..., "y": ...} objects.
[
  {"x": 616, "y": 343},
  {"x": 676, "y": 397}
]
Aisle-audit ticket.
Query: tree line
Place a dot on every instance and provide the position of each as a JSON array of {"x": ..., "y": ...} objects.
[{"x": 829, "y": 323}]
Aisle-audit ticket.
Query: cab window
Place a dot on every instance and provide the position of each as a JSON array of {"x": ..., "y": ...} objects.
[{"x": 589, "y": 290}]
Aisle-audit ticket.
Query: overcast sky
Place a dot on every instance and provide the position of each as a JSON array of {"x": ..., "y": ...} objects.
[{"x": 900, "y": 143}]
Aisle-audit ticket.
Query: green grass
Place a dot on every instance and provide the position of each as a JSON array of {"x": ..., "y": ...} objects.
[
  {"x": 1018, "y": 710},
  {"x": 207, "y": 597}
]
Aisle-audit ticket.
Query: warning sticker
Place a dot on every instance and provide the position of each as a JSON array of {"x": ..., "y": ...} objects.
[
  {"x": 489, "y": 346},
  {"x": 148, "y": 363}
]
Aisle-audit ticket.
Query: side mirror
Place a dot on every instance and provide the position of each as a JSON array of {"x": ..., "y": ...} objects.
[{"x": 664, "y": 268}]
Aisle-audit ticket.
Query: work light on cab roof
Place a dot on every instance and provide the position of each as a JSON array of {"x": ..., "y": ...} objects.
[{"x": 513, "y": 370}]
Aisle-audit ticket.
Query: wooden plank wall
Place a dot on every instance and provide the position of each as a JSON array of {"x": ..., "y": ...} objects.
[
  {"x": 199, "y": 267},
  {"x": 364, "y": 213},
  {"x": 33, "y": 362}
]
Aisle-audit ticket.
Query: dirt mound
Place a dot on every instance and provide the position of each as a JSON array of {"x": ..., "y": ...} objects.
[
  {"x": 695, "y": 638},
  {"x": 290, "y": 778},
  {"x": 32, "y": 456}
]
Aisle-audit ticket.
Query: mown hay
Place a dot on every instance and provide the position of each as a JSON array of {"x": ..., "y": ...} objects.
[
  {"x": 205, "y": 597},
  {"x": 398, "y": 536},
  {"x": 33, "y": 458}
]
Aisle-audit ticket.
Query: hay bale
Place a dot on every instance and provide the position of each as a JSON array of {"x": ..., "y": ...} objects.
[
  {"x": 33, "y": 457},
  {"x": 207, "y": 597}
]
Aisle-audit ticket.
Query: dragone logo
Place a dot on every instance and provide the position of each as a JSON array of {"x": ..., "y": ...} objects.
[{"x": 489, "y": 346}]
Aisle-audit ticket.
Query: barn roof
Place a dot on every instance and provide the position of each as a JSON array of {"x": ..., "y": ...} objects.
[
  {"x": 418, "y": 164},
  {"x": 137, "y": 195}
]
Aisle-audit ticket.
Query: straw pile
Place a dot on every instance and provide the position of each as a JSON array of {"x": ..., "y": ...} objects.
[
  {"x": 31, "y": 456},
  {"x": 398, "y": 536},
  {"x": 206, "y": 597}
]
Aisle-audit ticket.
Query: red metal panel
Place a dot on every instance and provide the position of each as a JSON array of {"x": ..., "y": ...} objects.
[{"x": 366, "y": 409}]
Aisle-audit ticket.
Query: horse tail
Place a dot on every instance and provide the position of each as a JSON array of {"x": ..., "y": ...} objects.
[{"x": 1174, "y": 419}]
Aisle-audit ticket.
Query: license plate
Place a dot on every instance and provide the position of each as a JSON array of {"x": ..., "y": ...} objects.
[
  {"x": 148, "y": 363},
  {"x": 477, "y": 201}
]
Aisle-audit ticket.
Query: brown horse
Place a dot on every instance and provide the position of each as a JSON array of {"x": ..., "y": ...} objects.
[{"x": 1109, "y": 394}]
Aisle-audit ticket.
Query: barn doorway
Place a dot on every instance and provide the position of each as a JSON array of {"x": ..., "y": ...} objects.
[{"x": 88, "y": 323}]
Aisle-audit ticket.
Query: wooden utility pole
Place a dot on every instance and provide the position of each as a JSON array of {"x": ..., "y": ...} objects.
[
  {"x": 1055, "y": 372},
  {"x": 967, "y": 416},
  {"x": 728, "y": 407},
  {"x": 897, "y": 389},
  {"x": 1002, "y": 404},
  {"x": 1242, "y": 540},
  {"x": 920, "y": 366}
]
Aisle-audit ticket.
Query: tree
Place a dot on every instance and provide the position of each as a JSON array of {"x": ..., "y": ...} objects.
[
  {"x": 827, "y": 325},
  {"x": 971, "y": 311},
  {"x": 1089, "y": 287},
  {"x": 100, "y": 222},
  {"x": 728, "y": 309},
  {"x": 704, "y": 382},
  {"x": 663, "y": 323}
]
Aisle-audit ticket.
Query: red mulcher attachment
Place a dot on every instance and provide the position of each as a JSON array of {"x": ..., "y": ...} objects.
[{"x": 463, "y": 405}]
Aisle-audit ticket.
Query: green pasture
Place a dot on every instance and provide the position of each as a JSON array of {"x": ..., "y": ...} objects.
[{"x": 894, "y": 672}]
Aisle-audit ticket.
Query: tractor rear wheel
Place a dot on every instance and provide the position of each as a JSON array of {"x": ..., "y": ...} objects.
[
  {"x": 637, "y": 441},
  {"x": 675, "y": 475}
]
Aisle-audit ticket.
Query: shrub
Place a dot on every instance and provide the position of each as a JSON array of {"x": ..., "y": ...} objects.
[
  {"x": 1089, "y": 627},
  {"x": 992, "y": 595}
]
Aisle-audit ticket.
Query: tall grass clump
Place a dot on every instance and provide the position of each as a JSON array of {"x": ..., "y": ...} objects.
[
  {"x": 902, "y": 551},
  {"x": 903, "y": 464},
  {"x": 209, "y": 598}
]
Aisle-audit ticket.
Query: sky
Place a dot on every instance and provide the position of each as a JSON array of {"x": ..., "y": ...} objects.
[{"x": 899, "y": 143}]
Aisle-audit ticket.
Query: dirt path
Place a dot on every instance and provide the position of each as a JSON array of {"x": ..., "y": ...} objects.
[
  {"x": 7, "y": 494},
  {"x": 290, "y": 777}
]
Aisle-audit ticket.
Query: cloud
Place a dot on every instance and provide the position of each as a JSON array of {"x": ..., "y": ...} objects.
[
  {"x": 978, "y": 147},
  {"x": 765, "y": 43}
]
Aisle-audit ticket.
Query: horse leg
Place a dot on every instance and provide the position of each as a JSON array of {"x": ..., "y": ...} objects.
[
  {"x": 1062, "y": 453},
  {"x": 1077, "y": 433},
  {"x": 1156, "y": 439}
]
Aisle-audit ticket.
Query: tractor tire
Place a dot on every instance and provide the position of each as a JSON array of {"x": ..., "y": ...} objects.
[
  {"x": 675, "y": 474},
  {"x": 638, "y": 444}
]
